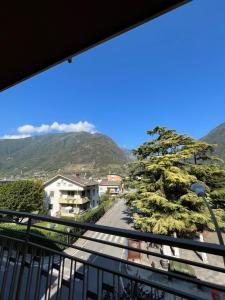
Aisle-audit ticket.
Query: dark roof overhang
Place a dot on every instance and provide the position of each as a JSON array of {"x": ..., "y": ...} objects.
[{"x": 36, "y": 35}]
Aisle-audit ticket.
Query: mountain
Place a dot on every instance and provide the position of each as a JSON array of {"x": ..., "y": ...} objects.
[
  {"x": 68, "y": 152},
  {"x": 217, "y": 136},
  {"x": 128, "y": 153}
]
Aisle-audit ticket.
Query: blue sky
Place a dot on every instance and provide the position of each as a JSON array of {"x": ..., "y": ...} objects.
[{"x": 170, "y": 71}]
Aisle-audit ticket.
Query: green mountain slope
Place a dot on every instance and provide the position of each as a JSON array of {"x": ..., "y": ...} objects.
[
  {"x": 68, "y": 152},
  {"x": 217, "y": 136}
]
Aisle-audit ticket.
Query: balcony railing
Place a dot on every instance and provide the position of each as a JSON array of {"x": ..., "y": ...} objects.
[
  {"x": 50, "y": 258},
  {"x": 74, "y": 200}
]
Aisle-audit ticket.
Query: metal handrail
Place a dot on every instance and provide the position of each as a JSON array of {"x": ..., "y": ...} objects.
[
  {"x": 30, "y": 238},
  {"x": 143, "y": 281},
  {"x": 147, "y": 252},
  {"x": 155, "y": 238},
  {"x": 162, "y": 272}
]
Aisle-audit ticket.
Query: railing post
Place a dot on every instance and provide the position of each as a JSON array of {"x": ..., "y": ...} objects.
[{"x": 24, "y": 254}]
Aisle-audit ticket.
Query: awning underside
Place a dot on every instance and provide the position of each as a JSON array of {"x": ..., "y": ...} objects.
[{"x": 38, "y": 34}]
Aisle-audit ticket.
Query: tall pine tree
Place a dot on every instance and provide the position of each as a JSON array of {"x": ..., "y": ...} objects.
[{"x": 166, "y": 167}]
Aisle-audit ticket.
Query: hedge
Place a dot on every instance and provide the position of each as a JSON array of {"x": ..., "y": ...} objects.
[{"x": 22, "y": 195}]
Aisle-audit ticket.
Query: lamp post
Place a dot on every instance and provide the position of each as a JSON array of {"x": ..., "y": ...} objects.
[{"x": 200, "y": 190}]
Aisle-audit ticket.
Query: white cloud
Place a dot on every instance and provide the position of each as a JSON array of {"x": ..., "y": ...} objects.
[
  {"x": 27, "y": 130},
  {"x": 14, "y": 136},
  {"x": 73, "y": 127}
]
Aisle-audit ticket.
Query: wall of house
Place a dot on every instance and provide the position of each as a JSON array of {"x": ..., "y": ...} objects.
[
  {"x": 53, "y": 193},
  {"x": 104, "y": 188}
]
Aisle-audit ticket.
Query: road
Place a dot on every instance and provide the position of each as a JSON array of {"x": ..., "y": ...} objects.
[{"x": 115, "y": 217}]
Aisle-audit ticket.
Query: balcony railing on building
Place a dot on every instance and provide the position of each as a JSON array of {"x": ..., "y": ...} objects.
[
  {"x": 51, "y": 258},
  {"x": 72, "y": 206}
]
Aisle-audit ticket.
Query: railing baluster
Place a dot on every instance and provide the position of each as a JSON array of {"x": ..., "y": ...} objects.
[
  {"x": 98, "y": 283},
  {"x": 1, "y": 260},
  {"x": 71, "y": 281},
  {"x": 47, "y": 277},
  {"x": 12, "y": 291},
  {"x": 37, "y": 287},
  {"x": 83, "y": 283},
  {"x": 50, "y": 280},
  {"x": 74, "y": 280},
  {"x": 87, "y": 278},
  {"x": 30, "y": 267},
  {"x": 114, "y": 287},
  {"x": 118, "y": 286},
  {"x": 37, "y": 294},
  {"x": 7, "y": 266},
  {"x": 24, "y": 254},
  {"x": 59, "y": 278},
  {"x": 62, "y": 276}
]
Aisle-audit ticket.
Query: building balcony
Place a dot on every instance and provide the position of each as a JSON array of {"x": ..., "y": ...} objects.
[
  {"x": 76, "y": 200},
  {"x": 55, "y": 262},
  {"x": 64, "y": 213}
]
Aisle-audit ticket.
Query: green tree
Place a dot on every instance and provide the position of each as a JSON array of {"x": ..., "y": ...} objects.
[
  {"x": 23, "y": 195},
  {"x": 166, "y": 167}
]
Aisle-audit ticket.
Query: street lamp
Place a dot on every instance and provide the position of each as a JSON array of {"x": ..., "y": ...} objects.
[{"x": 200, "y": 190}]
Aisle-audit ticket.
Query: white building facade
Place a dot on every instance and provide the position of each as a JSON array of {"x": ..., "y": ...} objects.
[
  {"x": 110, "y": 187},
  {"x": 70, "y": 195}
]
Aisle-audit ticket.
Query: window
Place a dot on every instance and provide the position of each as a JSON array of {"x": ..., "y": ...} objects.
[
  {"x": 50, "y": 206},
  {"x": 71, "y": 193},
  {"x": 51, "y": 194}
]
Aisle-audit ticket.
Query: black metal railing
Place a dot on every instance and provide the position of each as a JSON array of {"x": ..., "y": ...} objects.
[{"x": 49, "y": 258}]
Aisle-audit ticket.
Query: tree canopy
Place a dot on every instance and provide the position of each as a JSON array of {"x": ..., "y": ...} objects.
[
  {"x": 166, "y": 167},
  {"x": 23, "y": 195}
]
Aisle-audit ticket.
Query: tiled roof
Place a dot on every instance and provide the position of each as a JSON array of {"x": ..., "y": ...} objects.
[
  {"x": 76, "y": 179},
  {"x": 83, "y": 181},
  {"x": 109, "y": 183}
]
